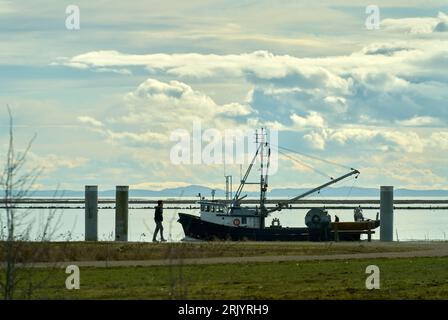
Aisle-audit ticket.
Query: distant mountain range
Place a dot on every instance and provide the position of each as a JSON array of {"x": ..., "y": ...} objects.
[{"x": 193, "y": 190}]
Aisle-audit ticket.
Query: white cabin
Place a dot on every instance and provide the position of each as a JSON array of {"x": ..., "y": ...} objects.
[{"x": 220, "y": 213}]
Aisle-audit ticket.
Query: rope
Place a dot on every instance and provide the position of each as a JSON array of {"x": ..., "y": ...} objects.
[
  {"x": 306, "y": 165},
  {"x": 316, "y": 170},
  {"x": 314, "y": 157},
  {"x": 351, "y": 188}
]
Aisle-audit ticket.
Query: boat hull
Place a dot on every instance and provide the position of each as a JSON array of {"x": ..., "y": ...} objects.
[{"x": 196, "y": 228}]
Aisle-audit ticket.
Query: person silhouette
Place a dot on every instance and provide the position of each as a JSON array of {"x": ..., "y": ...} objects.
[{"x": 158, "y": 219}]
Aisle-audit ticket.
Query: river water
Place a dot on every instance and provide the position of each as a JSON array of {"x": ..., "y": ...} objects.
[{"x": 409, "y": 224}]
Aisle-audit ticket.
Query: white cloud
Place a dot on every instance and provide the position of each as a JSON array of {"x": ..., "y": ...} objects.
[
  {"x": 235, "y": 109},
  {"x": 381, "y": 99},
  {"x": 316, "y": 140},
  {"x": 353, "y": 134},
  {"x": 415, "y": 177},
  {"x": 51, "y": 162},
  {"x": 439, "y": 140},
  {"x": 262, "y": 64},
  {"x": 91, "y": 121},
  {"x": 174, "y": 104},
  {"x": 155, "y": 109},
  {"x": 405, "y": 141},
  {"x": 146, "y": 137},
  {"x": 419, "y": 121},
  {"x": 112, "y": 70},
  {"x": 313, "y": 119},
  {"x": 328, "y": 100},
  {"x": 7, "y": 7},
  {"x": 417, "y": 25},
  {"x": 385, "y": 82}
]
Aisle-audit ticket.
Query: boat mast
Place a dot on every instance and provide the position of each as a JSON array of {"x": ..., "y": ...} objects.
[
  {"x": 236, "y": 198},
  {"x": 263, "y": 175},
  {"x": 261, "y": 163},
  {"x": 263, "y": 169},
  {"x": 261, "y": 144}
]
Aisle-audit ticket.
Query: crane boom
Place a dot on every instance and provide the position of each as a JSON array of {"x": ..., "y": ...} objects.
[{"x": 281, "y": 205}]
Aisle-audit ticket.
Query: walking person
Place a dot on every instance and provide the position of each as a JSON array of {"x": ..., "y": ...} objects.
[{"x": 158, "y": 219}]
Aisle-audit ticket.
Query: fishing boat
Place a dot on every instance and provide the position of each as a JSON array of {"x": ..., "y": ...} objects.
[{"x": 230, "y": 220}]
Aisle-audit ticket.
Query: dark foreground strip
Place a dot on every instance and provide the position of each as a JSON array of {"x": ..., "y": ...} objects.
[{"x": 229, "y": 309}]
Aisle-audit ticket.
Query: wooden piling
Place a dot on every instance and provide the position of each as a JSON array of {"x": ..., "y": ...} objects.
[
  {"x": 121, "y": 213},
  {"x": 386, "y": 213},
  {"x": 91, "y": 213}
]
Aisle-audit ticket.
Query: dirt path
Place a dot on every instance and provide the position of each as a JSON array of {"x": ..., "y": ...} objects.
[{"x": 439, "y": 249}]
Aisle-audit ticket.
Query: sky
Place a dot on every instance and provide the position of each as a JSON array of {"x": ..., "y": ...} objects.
[{"x": 105, "y": 99}]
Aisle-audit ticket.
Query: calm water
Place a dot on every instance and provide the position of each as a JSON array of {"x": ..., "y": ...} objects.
[{"x": 408, "y": 224}]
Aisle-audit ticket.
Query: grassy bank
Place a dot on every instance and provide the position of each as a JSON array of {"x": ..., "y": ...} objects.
[
  {"x": 416, "y": 278},
  {"x": 104, "y": 251}
]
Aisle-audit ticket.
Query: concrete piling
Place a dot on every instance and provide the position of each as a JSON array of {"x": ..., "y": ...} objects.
[
  {"x": 121, "y": 213},
  {"x": 91, "y": 213},
  {"x": 386, "y": 213}
]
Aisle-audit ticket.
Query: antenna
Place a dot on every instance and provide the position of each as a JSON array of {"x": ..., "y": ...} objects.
[
  {"x": 228, "y": 187},
  {"x": 224, "y": 165}
]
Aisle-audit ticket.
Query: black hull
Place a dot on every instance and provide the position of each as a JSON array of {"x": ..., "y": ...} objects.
[{"x": 196, "y": 228}]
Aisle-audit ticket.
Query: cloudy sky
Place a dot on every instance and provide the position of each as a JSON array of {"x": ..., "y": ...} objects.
[{"x": 105, "y": 99}]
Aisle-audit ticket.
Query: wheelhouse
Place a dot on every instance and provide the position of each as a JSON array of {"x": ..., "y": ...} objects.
[{"x": 221, "y": 213}]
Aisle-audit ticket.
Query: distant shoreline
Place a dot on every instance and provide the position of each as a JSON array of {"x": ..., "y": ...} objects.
[
  {"x": 190, "y": 204},
  {"x": 192, "y": 191}
]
